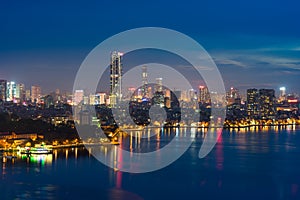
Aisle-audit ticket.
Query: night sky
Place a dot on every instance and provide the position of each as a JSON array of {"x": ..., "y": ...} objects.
[{"x": 254, "y": 43}]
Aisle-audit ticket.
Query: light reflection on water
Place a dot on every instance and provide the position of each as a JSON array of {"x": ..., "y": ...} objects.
[{"x": 252, "y": 163}]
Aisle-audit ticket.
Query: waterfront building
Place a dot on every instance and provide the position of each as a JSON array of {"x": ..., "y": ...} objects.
[
  {"x": 204, "y": 96},
  {"x": 252, "y": 103},
  {"x": 267, "y": 103},
  {"x": 232, "y": 95},
  {"x": 282, "y": 95}
]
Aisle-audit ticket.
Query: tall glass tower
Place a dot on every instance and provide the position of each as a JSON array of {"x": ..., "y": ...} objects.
[
  {"x": 145, "y": 81},
  {"x": 253, "y": 103},
  {"x": 115, "y": 77}
]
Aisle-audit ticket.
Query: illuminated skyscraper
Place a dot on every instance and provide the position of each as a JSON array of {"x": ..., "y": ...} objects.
[
  {"x": 204, "y": 96},
  {"x": 3, "y": 85},
  {"x": 158, "y": 86},
  {"x": 78, "y": 97},
  {"x": 282, "y": 96},
  {"x": 21, "y": 93},
  {"x": 232, "y": 95},
  {"x": 267, "y": 103},
  {"x": 115, "y": 77},
  {"x": 158, "y": 96},
  {"x": 11, "y": 91},
  {"x": 102, "y": 98},
  {"x": 252, "y": 103},
  {"x": 35, "y": 94},
  {"x": 28, "y": 95},
  {"x": 145, "y": 81}
]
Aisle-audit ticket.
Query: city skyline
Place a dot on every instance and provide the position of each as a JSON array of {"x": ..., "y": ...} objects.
[{"x": 150, "y": 100}]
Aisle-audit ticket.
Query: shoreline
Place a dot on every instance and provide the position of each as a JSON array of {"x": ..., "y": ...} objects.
[{"x": 283, "y": 126}]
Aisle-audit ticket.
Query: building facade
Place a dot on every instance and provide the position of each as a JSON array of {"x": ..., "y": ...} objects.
[
  {"x": 115, "y": 77},
  {"x": 3, "y": 85},
  {"x": 11, "y": 91},
  {"x": 267, "y": 103},
  {"x": 36, "y": 94},
  {"x": 253, "y": 103}
]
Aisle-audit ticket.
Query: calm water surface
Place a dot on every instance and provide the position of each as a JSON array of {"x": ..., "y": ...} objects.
[{"x": 245, "y": 164}]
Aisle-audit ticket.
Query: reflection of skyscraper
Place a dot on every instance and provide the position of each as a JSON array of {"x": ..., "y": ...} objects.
[
  {"x": 115, "y": 77},
  {"x": 3, "y": 85},
  {"x": 35, "y": 94},
  {"x": 11, "y": 91},
  {"x": 145, "y": 81},
  {"x": 252, "y": 103}
]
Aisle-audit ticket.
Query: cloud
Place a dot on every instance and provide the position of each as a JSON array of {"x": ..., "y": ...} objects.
[
  {"x": 230, "y": 62},
  {"x": 251, "y": 59}
]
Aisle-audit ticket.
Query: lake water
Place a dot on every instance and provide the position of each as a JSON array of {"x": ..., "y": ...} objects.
[{"x": 244, "y": 164}]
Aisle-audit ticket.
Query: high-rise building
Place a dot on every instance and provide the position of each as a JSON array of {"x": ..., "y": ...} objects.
[
  {"x": 28, "y": 95},
  {"x": 115, "y": 77},
  {"x": 101, "y": 98},
  {"x": 282, "y": 96},
  {"x": 36, "y": 94},
  {"x": 192, "y": 95},
  {"x": 92, "y": 99},
  {"x": 3, "y": 86},
  {"x": 252, "y": 103},
  {"x": 145, "y": 81},
  {"x": 78, "y": 97},
  {"x": 232, "y": 95},
  {"x": 267, "y": 103},
  {"x": 11, "y": 91},
  {"x": 204, "y": 96},
  {"x": 21, "y": 93},
  {"x": 158, "y": 86}
]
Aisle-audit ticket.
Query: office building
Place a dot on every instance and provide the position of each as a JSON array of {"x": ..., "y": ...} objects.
[
  {"x": 267, "y": 103},
  {"x": 11, "y": 91},
  {"x": 232, "y": 95},
  {"x": 21, "y": 92},
  {"x": 282, "y": 95},
  {"x": 252, "y": 103},
  {"x": 78, "y": 97},
  {"x": 158, "y": 85},
  {"x": 35, "y": 94},
  {"x": 3, "y": 85},
  {"x": 144, "y": 82},
  {"x": 204, "y": 96}
]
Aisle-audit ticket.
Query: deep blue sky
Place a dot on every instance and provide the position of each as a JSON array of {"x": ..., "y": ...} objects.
[{"x": 254, "y": 43}]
